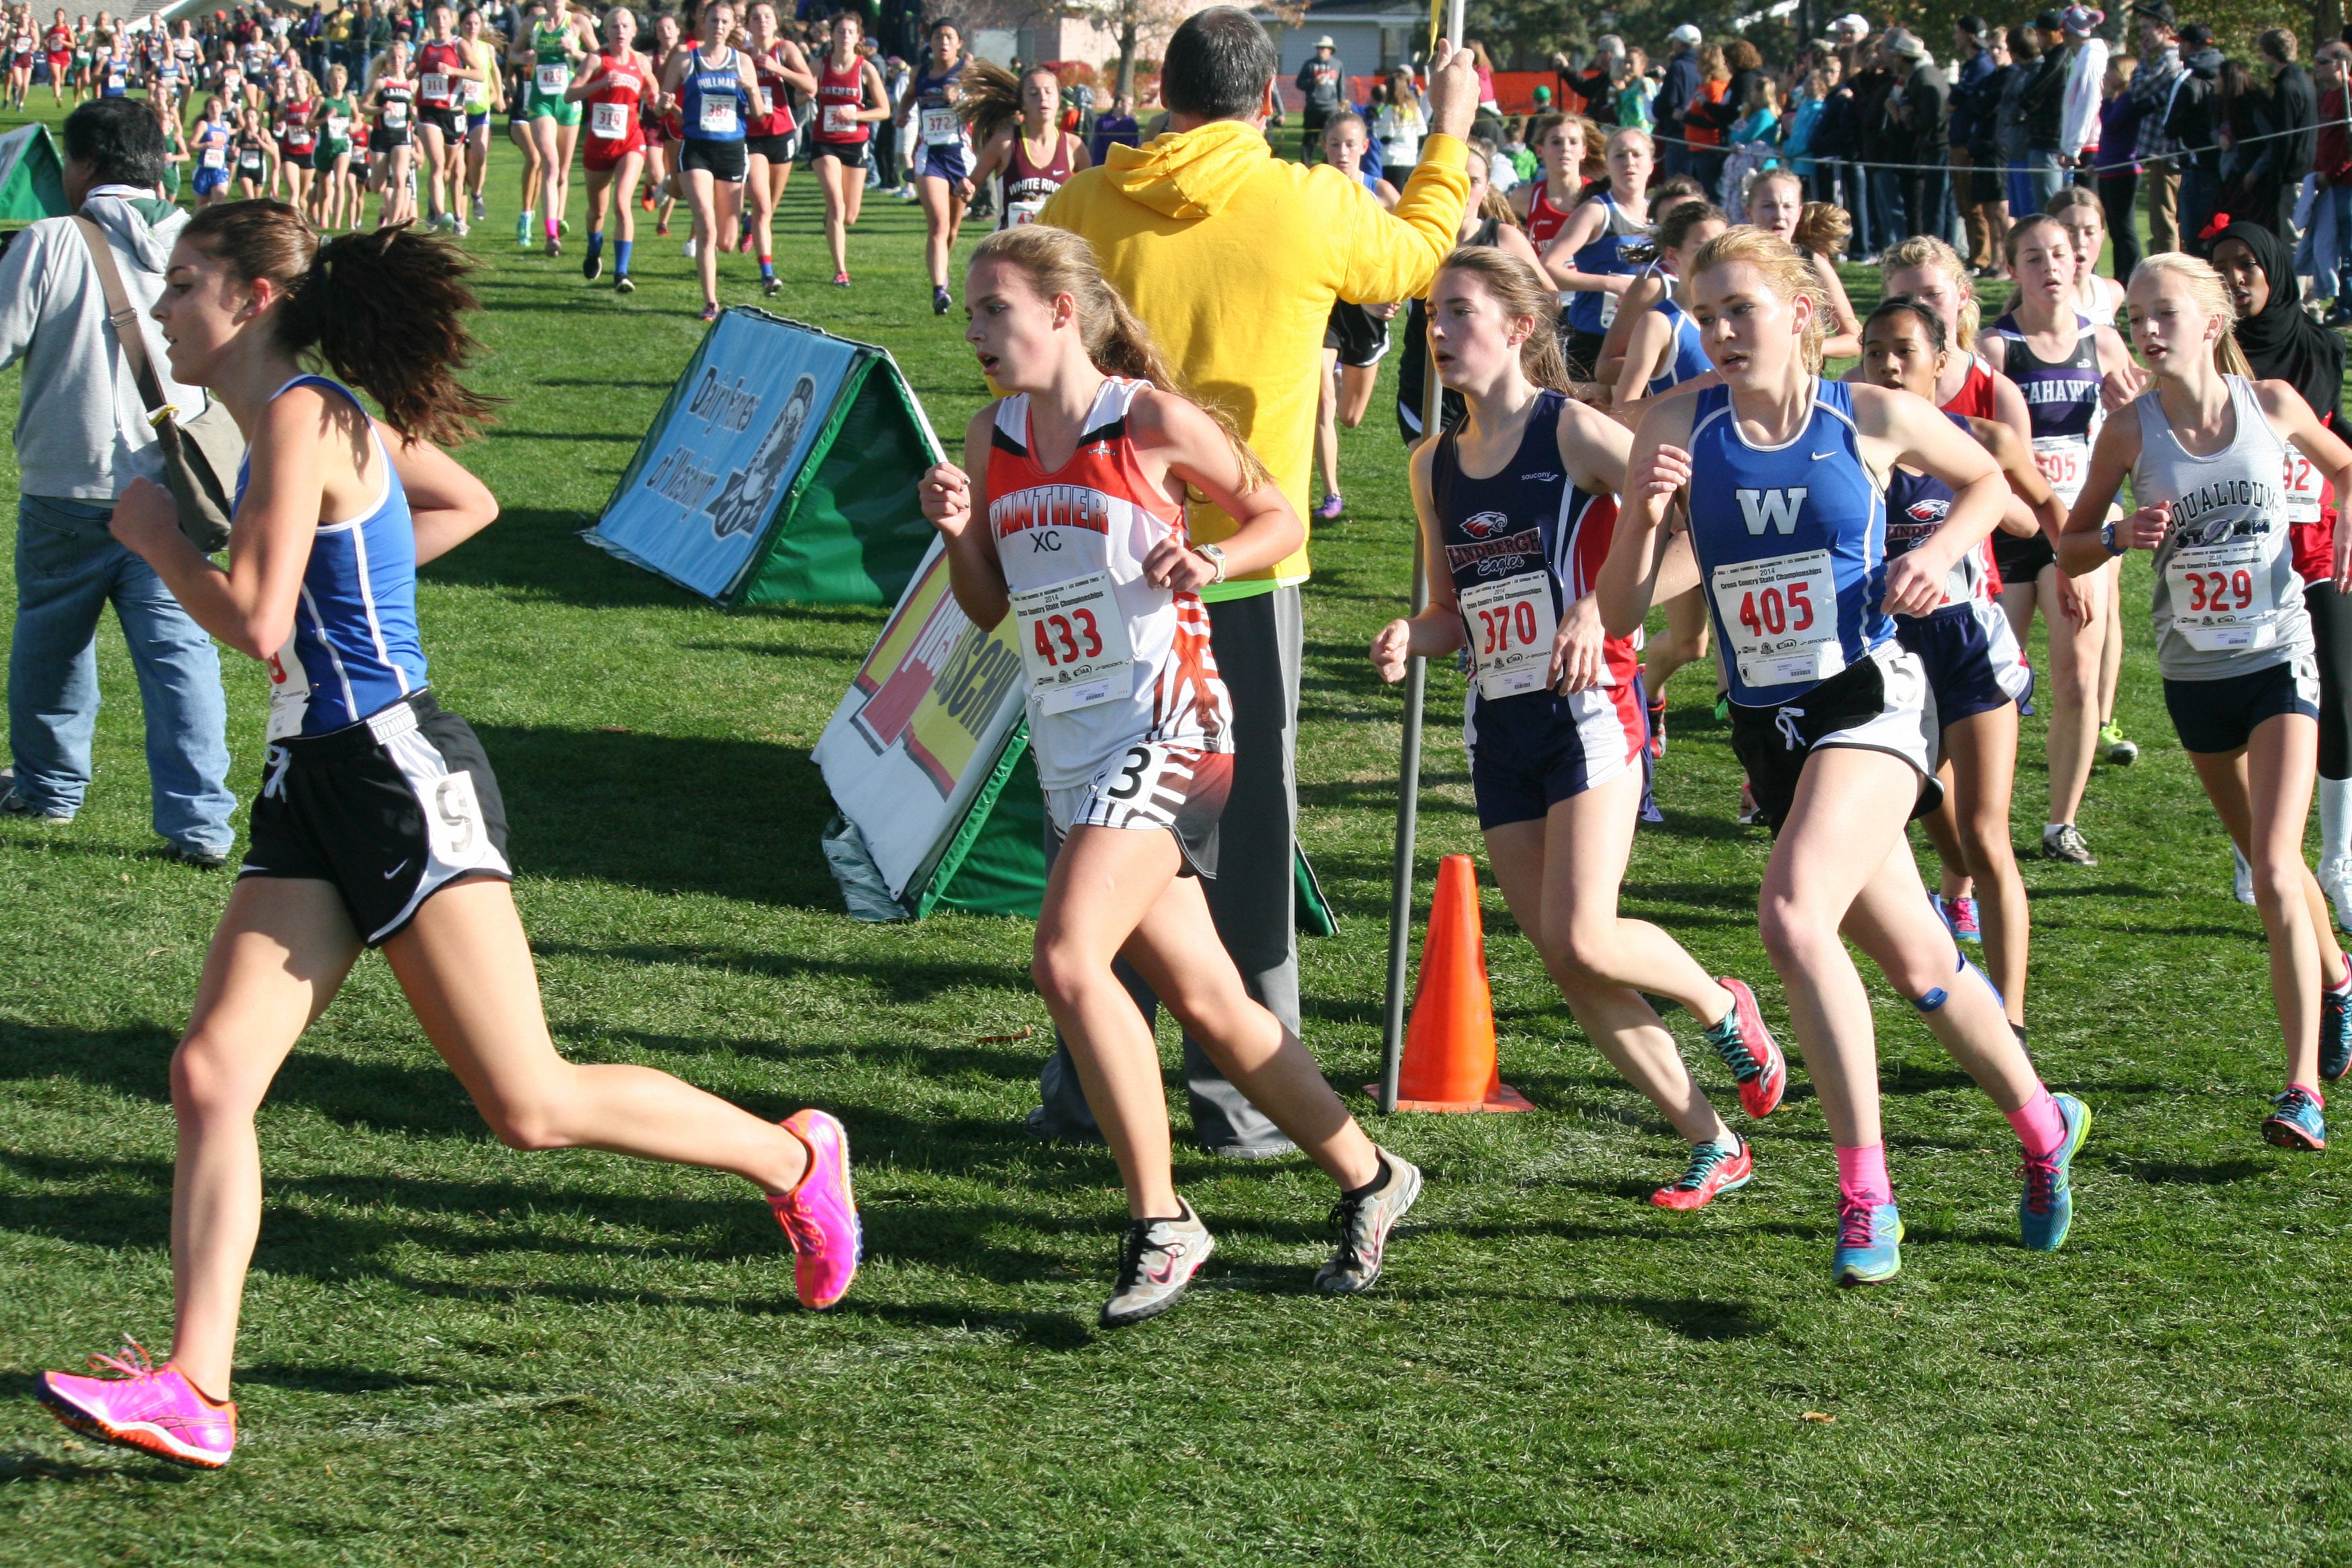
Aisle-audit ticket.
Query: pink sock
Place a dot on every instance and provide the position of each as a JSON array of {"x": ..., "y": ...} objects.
[
  {"x": 1862, "y": 1174},
  {"x": 2039, "y": 1126},
  {"x": 2316, "y": 1098},
  {"x": 550, "y": 227}
]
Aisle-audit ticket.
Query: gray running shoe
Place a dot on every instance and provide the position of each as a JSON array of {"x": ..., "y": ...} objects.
[
  {"x": 1156, "y": 1265},
  {"x": 15, "y": 804},
  {"x": 1363, "y": 1224},
  {"x": 2066, "y": 844}
]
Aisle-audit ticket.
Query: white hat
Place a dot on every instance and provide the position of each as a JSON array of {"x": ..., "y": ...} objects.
[
  {"x": 1325, "y": 42},
  {"x": 1853, "y": 21},
  {"x": 1685, "y": 34}
]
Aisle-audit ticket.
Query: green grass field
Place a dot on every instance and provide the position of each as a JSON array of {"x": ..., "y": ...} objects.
[{"x": 455, "y": 1354}]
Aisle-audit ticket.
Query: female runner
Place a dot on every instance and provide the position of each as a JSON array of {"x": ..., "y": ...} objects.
[
  {"x": 21, "y": 44},
  {"x": 850, "y": 99},
  {"x": 379, "y": 824},
  {"x": 297, "y": 140},
  {"x": 552, "y": 52},
  {"x": 255, "y": 157},
  {"x": 446, "y": 70},
  {"x": 1030, "y": 149},
  {"x": 1974, "y": 671},
  {"x": 1588, "y": 258},
  {"x": 1831, "y": 715},
  {"x": 1355, "y": 336},
  {"x": 616, "y": 82},
  {"x": 336, "y": 201},
  {"x": 1777, "y": 204},
  {"x": 2205, "y": 447},
  {"x": 211, "y": 142},
  {"x": 2281, "y": 343},
  {"x": 1552, "y": 718},
  {"x": 2057, "y": 356},
  {"x": 782, "y": 71},
  {"x": 485, "y": 93},
  {"x": 392, "y": 99},
  {"x": 943, "y": 166},
  {"x": 518, "y": 94},
  {"x": 1133, "y": 729},
  {"x": 1545, "y": 205},
  {"x": 59, "y": 43},
  {"x": 712, "y": 82},
  {"x": 1487, "y": 222},
  {"x": 661, "y": 148}
]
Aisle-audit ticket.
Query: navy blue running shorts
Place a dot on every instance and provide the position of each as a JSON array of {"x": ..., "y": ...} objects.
[{"x": 2216, "y": 717}]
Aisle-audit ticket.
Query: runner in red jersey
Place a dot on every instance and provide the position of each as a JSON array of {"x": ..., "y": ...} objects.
[
  {"x": 782, "y": 69},
  {"x": 850, "y": 98},
  {"x": 444, "y": 66},
  {"x": 616, "y": 84},
  {"x": 1071, "y": 520},
  {"x": 1544, "y": 204},
  {"x": 59, "y": 45}
]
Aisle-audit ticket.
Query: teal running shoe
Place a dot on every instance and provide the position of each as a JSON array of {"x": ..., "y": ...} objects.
[
  {"x": 1870, "y": 1245},
  {"x": 2334, "y": 1034},
  {"x": 2047, "y": 1208},
  {"x": 2296, "y": 1122}
]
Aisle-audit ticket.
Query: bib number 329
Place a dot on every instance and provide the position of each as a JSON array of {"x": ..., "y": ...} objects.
[{"x": 1073, "y": 644}]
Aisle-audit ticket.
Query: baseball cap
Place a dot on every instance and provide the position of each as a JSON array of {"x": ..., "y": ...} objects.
[
  {"x": 2197, "y": 35},
  {"x": 2047, "y": 22},
  {"x": 1543, "y": 95},
  {"x": 2157, "y": 11},
  {"x": 1685, "y": 34},
  {"x": 2082, "y": 20}
]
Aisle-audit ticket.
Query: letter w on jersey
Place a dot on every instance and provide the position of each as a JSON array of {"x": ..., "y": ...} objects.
[{"x": 1777, "y": 508}]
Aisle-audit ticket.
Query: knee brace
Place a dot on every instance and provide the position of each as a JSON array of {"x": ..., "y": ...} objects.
[{"x": 1936, "y": 995}]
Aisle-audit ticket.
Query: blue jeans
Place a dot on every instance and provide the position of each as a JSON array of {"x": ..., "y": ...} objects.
[
  {"x": 68, "y": 569},
  {"x": 2043, "y": 174},
  {"x": 2321, "y": 255}
]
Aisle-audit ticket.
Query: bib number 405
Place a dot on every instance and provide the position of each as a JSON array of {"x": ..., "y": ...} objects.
[{"x": 1771, "y": 611}]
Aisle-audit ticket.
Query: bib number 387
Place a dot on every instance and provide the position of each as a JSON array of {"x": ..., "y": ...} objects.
[
  {"x": 1073, "y": 644},
  {"x": 1781, "y": 617},
  {"x": 1511, "y": 624}
]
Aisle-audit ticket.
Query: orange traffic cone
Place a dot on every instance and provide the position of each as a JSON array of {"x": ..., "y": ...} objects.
[{"x": 1449, "y": 1045}]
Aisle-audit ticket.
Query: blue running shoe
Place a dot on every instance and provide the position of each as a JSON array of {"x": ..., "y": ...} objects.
[
  {"x": 2296, "y": 1122},
  {"x": 1870, "y": 1245},
  {"x": 2047, "y": 1208},
  {"x": 2334, "y": 1034}
]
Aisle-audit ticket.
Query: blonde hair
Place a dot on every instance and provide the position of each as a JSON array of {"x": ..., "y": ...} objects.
[
  {"x": 1622, "y": 131},
  {"x": 2212, "y": 297},
  {"x": 1056, "y": 262},
  {"x": 1788, "y": 272},
  {"x": 1520, "y": 291},
  {"x": 1922, "y": 250}
]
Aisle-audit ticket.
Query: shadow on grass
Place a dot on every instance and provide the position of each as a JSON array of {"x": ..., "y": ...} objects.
[
  {"x": 538, "y": 550},
  {"x": 1685, "y": 1317},
  {"x": 911, "y": 979},
  {"x": 2186, "y": 1173}
]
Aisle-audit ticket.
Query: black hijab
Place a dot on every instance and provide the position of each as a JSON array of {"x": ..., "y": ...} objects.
[{"x": 2281, "y": 343}]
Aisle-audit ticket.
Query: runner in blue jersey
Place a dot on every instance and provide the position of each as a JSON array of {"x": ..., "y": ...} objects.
[
  {"x": 1664, "y": 349},
  {"x": 1518, "y": 502},
  {"x": 1833, "y": 719},
  {"x": 1975, "y": 669},
  {"x": 2205, "y": 448},
  {"x": 1589, "y": 261},
  {"x": 942, "y": 155},
  {"x": 378, "y": 822},
  {"x": 714, "y": 83}
]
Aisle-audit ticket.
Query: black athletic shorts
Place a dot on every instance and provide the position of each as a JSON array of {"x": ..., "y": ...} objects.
[
  {"x": 1881, "y": 704},
  {"x": 451, "y": 122},
  {"x": 1582, "y": 349},
  {"x": 774, "y": 149},
  {"x": 725, "y": 161},
  {"x": 852, "y": 153},
  {"x": 390, "y": 810},
  {"x": 385, "y": 139},
  {"x": 2022, "y": 557},
  {"x": 2214, "y": 718},
  {"x": 1361, "y": 337}
]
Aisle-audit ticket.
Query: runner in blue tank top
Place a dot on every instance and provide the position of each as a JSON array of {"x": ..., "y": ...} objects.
[
  {"x": 1832, "y": 718},
  {"x": 1588, "y": 258},
  {"x": 1664, "y": 349},
  {"x": 1553, "y": 716},
  {"x": 937, "y": 148},
  {"x": 2205, "y": 448},
  {"x": 378, "y": 822},
  {"x": 1974, "y": 669}
]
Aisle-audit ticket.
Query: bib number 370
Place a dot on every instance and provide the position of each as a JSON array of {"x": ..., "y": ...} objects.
[{"x": 1511, "y": 624}]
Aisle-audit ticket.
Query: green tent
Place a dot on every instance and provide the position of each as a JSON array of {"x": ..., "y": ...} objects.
[{"x": 32, "y": 177}]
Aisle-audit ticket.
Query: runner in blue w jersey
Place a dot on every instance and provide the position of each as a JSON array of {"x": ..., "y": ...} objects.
[
  {"x": 1588, "y": 258},
  {"x": 379, "y": 822},
  {"x": 1781, "y": 474},
  {"x": 1517, "y": 503}
]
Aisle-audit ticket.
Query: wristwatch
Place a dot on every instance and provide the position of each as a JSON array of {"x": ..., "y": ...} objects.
[
  {"x": 2107, "y": 537},
  {"x": 1214, "y": 557}
]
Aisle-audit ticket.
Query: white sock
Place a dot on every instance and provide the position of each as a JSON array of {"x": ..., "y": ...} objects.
[
  {"x": 2050, "y": 829},
  {"x": 2335, "y": 821}
]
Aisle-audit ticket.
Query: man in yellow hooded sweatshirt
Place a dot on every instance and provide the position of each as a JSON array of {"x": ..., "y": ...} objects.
[{"x": 1233, "y": 258}]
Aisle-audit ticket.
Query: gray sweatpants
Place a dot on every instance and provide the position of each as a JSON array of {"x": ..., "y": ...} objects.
[{"x": 1257, "y": 643}]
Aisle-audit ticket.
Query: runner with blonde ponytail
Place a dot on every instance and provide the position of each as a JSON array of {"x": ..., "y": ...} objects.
[{"x": 1071, "y": 519}]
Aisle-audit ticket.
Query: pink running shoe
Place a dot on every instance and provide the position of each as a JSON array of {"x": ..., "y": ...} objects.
[
  {"x": 153, "y": 1409},
  {"x": 1747, "y": 1048},
  {"x": 820, "y": 1216}
]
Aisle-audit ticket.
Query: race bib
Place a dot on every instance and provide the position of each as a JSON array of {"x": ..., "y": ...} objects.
[
  {"x": 717, "y": 117},
  {"x": 940, "y": 128},
  {"x": 395, "y": 116},
  {"x": 249, "y": 161},
  {"x": 1609, "y": 303},
  {"x": 1511, "y": 624},
  {"x": 436, "y": 87},
  {"x": 2221, "y": 595},
  {"x": 609, "y": 121},
  {"x": 211, "y": 158},
  {"x": 553, "y": 81},
  {"x": 1781, "y": 617},
  {"x": 841, "y": 119},
  {"x": 1073, "y": 646},
  {"x": 767, "y": 102},
  {"x": 2304, "y": 483},
  {"x": 339, "y": 127},
  {"x": 1018, "y": 213},
  {"x": 2065, "y": 461}
]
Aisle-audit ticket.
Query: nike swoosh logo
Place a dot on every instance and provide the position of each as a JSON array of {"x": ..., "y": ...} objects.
[
  {"x": 395, "y": 871},
  {"x": 1819, "y": 455}
]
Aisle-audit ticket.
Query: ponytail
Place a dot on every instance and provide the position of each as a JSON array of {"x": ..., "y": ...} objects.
[
  {"x": 1823, "y": 230},
  {"x": 384, "y": 310}
]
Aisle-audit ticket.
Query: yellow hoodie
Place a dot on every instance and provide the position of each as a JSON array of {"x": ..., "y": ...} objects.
[{"x": 1232, "y": 257}]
